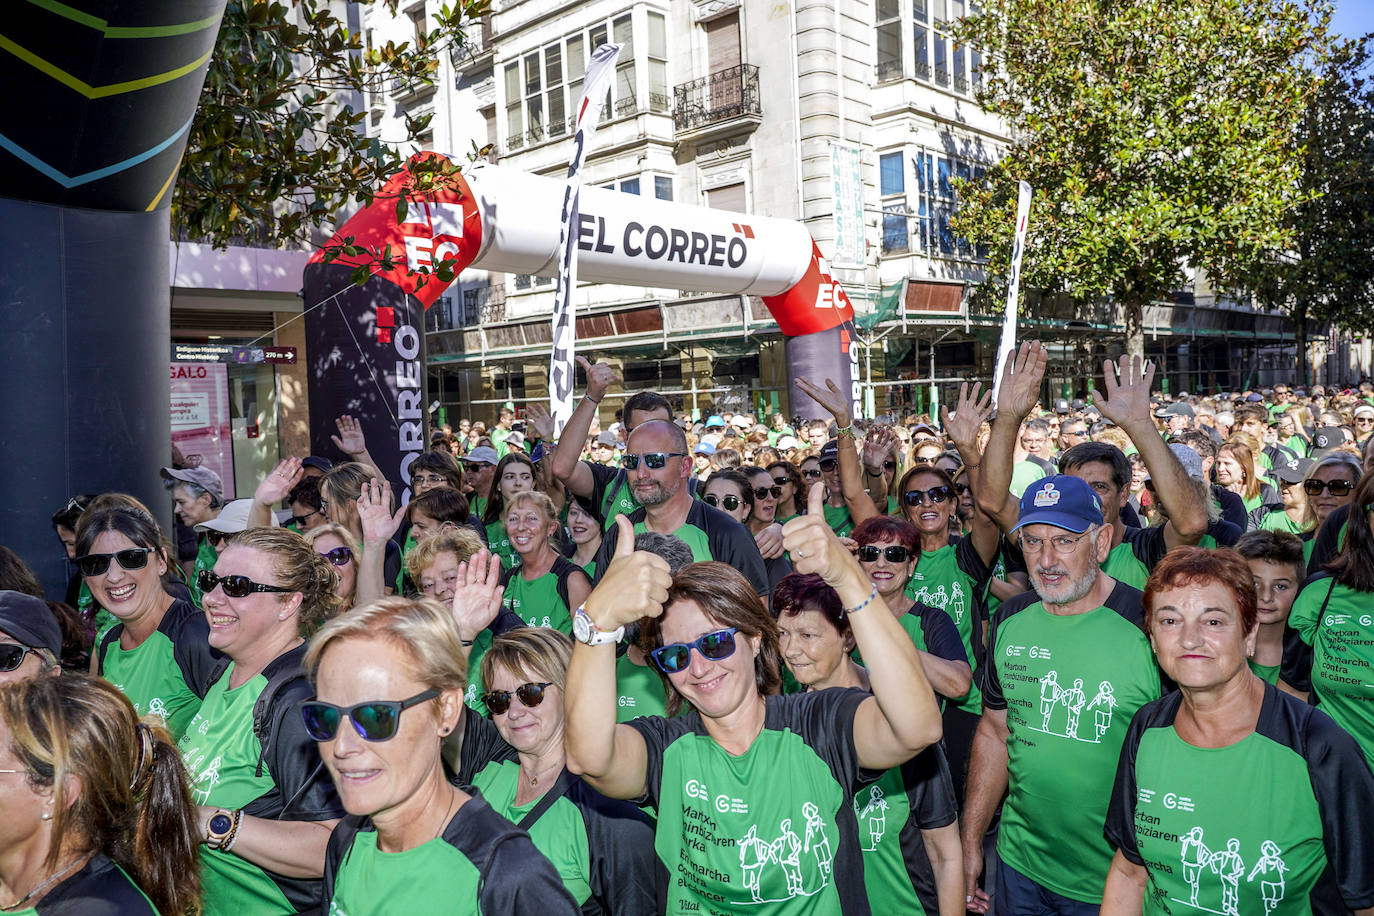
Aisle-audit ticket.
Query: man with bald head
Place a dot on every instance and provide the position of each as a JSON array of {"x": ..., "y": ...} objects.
[{"x": 658, "y": 466}]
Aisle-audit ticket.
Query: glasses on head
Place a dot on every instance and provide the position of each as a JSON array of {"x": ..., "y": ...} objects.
[
  {"x": 1315, "y": 487},
  {"x": 300, "y": 520},
  {"x": 676, "y": 656},
  {"x": 895, "y": 553},
  {"x": 12, "y": 655},
  {"x": 97, "y": 564},
  {"x": 781, "y": 482},
  {"x": 429, "y": 480},
  {"x": 918, "y": 459},
  {"x": 920, "y": 497},
  {"x": 811, "y": 473},
  {"x": 654, "y": 460},
  {"x": 373, "y": 721},
  {"x": 728, "y": 503},
  {"x": 530, "y": 695},
  {"x": 765, "y": 492},
  {"x": 828, "y": 464},
  {"x": 339, "y": 556},
  {"x": 1063, "y": 543},
  {"x": 234, "y": 586}
]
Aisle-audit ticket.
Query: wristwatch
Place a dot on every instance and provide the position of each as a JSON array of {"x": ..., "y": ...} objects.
[
  {"x": 220, "y": 826},
  {"x": 586, "y": 631}
]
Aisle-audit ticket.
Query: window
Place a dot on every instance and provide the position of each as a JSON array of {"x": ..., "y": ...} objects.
[
  {"x": 663, "y": 187},
  {"x": 889, "y": 43},
  {"x": 629, "y": 186},
  {"x": 890, "y": 177},
  {"x": 658, "y": 63},
  {"x": 625, "y": 93},
  {"x": 515, "y": 119},
  {"x": 730, "y": 197},
  {"x": 417, "y": 24},
  {"x": 920, "y": 37},
  {"x": 553, "y": 96},
  {"x": 892, "y": 185},
  {"x": 534, "y": 98},
  {"x": 936, "y": 202}
]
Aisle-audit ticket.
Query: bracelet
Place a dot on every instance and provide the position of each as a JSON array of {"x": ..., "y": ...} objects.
[
  {"x": 846, "y": 611},
  {"x": 872, "y": 473},
  {"x": 845, "y": 431},
  {"x": 228, "y": 843},
  {"x": 972, "y": 467},
  {"x": 592, "y": 399}
]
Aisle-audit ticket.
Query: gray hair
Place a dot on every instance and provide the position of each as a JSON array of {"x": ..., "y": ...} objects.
[{"x": 194, "y": 490}]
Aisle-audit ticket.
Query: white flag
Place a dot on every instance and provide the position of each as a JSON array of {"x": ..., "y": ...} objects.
[{"x": 1008, "y": 344}]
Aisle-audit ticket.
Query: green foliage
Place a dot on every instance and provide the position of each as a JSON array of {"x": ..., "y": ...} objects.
[
  {"x": 277, "y": 148},
  {"x": 1155, "y": 133}
]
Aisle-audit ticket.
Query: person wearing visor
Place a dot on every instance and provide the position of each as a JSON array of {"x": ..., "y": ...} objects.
[
  {"x": 30, "y": 638},
  {"x": 1068, "y": 664}
]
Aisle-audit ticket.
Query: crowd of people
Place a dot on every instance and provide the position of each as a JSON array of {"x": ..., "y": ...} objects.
[{"x": 1026, "y": 656}]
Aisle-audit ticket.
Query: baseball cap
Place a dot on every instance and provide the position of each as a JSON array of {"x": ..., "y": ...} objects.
[
  {"x": 516, "y": 438},
  {"x": 1179, "y": 409},
  {"x": 714, "y": 421},
  {"x": 924, "y": 429},
  {"x": 1294, "y": 470},
  {"x": 1188, "y": 457},
  {"x": 1325, "y": 439},
  {"x": 786, "y": 442},
  {"x": 204, "y": 478},
  {"x": 830, "y": 450},
  {"x": 315, "y": 461},
  {"x": 232, "y": 519},
  {"x": 740, "y": 421},
  {"x": 1077, "y": 404},
  {"x": 482, "y": 454},
  {"x": 30, "y": 621},
  {"x": 1254, "y": 397},
  {"x": 608, "y": 439},
  {"x": 1062, "y": 501},
  {"x": 1061, "y": 406},
  {"x": 705, "y": 448}
]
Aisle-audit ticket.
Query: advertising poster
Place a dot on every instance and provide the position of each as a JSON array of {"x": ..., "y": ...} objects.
[{"x": 200, "y": 419}]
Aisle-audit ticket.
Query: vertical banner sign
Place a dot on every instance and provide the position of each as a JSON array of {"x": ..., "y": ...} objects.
[
  {"x": 201, "y": 425},
  {"x": 561, "y": 363},
  {"x": 846, "y": 175},
  {"x": 1018, "y": 249}
]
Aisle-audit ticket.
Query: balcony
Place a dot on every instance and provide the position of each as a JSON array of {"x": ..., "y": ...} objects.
[
  {"x": 723, "y": 98},
  {"x": 888, "y": 70},
  {"x": 922, "y": 70}
]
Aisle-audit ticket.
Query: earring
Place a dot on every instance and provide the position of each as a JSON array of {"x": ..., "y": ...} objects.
[{"x": 45, "y": 816}]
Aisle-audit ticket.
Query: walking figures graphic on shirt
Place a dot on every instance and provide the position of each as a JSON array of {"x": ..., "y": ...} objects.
[
  {"x": 1228, "y": 866},
  {"x": 872, "y": 818},
  {"x": 951, "y": 602},
  {"x": 1058, "y": 704},
  {"x": 790, "y": 855},
  {"x": 209, "y": 777}
]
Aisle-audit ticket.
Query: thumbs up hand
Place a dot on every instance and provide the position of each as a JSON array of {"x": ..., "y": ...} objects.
[
  {"x": 635, "y": 584},
  {"x": 813, "y": 545}
]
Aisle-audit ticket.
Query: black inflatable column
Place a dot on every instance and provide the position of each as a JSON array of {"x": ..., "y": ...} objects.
[
  {"x": 829, "y": 354},
  {"x": 101, "y": 100}
]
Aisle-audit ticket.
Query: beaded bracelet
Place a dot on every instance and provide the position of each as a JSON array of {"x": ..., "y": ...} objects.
[
  {"x": 845, "y": 431},
  {"x": 228, "y": 843},
  {"x": 866, "y": 602}
]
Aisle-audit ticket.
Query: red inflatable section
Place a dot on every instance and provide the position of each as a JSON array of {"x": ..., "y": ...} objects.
[{"x": 816, "y": 303}]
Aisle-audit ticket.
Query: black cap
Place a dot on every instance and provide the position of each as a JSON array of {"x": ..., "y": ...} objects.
[
  {"x": 315, "y": 461},
  {"x": 830, "y": 450},
  {"x": 30, "y": 622},
  {"x": 1294, "y": 470},
  {"x": 1061, "y": 406}
]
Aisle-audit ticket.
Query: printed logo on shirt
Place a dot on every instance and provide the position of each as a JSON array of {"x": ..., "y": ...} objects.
[
  {"x": 1061, "y": 709},
  {"x": 805, "y": 862},
  {"x": 1214, "y": 876},
  {"x": 1171, "y": 800},
  {"x": 1339, "y": 620},
  {"x": 625, "y": 701},
  {"x": 723, "y": 803},
  {"x": 952, "y": 602},
  {"x": 872, "y": 819}
]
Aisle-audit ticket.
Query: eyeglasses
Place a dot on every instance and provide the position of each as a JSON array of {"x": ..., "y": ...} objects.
[
  {"x": 300, "y": 520},
  {"x": 429, "y": 480},
  {"x": 961, "y": 488},
  {"x": 896, "y": 553},
  {"x": 374, "y": 721},
  {"x": 781, "y": 482},
  {"x": 96, "y": 564},
  {"x": 728, "y": 503},
  {"x": 934, "y": 495},
  {"x": 828, "y": 464},
  {"x": 1063, "y": 543},
  {"x": 811, "y": 473},
  {"x": 13, "y": 655},
  {"x": 675, "y": 657},
  {"x": 654, "y": 460},
  {"x": 765, "y": 492},
  {"x": 1337, "y": 487},
  {"x": 530, "y": 696},
  {"x": 339, "y": 556},
  {"x": 234, "y": 586}
]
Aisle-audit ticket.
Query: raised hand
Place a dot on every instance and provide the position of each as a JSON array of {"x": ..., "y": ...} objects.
[
  {"x": 1126, "y": 391},
  {"x": 539, "y": 422},
  {"x": 374, "y": 512},
  {"x": 879, "y": 445},
  {"x": 477, "y": 594},
  {"x": 635, "y": 584},
  {"x": 350, "y": 439},
  {"x": 813, "y": 545},
  {"x": 1021, "y": 379},
  {"x": 600, "y": 377},
  {"x": 835, "y": 401},
  {"x": 277, "y": 484},
  {"x": 970, "y": 412},
  {"x": 769, "y": 542}
]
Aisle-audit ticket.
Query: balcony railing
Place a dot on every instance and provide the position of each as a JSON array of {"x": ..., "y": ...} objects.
[
  {"x": 722, "y": 96},
  {"x": 888, "y": 70},
  {"x": 961, "y": 84},
  {"x": 922, "y": 70}
]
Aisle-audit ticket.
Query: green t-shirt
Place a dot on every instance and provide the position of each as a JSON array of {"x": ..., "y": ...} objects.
[
  {"x": 406, "y": 881},
  {"x": 537, "y": 601},
  {"x": 560, "y": 833},
  {"x": 892, "y": 812},
  {"x": 150, "y": 677},
  {"x": 1267, "y": 673},
  {"x": 206, "y": 555},
  {"x": 477, "y": 505},
  {"x": 639, "y": 690},
  {"x": 1023, "y": 474},
  {"x": 221, "y": 756},
  {"x": 1279, "y": 521},
  {"x": 472, "y": 695},
  {"x": 1342, "y": 644},
  {"x": 940, "y": 582},
  {"x": 839, "y": 519},
  {"x": 1070, "y": 685},
  {"x": 498, "y": 542}
]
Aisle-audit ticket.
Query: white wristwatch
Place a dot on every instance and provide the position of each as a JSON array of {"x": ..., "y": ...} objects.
[{"x": 586, "y": 631}]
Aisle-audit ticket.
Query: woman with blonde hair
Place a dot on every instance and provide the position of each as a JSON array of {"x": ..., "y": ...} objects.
[
  {"x": 341, "y": 490},
  {"x": 98, "y": 817},
  {"x": 337, "y": 545},
  {"x": 545, "y": 587},
  {"x": 389, "y": 680}
]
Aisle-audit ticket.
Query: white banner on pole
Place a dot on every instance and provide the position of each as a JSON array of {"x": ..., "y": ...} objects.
[
  {"x": 561, "y": 360},
  {"x": 1008, "y": 344},
  {"x": 847, "y": 179}
]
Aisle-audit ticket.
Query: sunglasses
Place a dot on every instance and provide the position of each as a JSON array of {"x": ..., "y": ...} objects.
[
  {"x": 728, "y": 503},
  {"x": 811, "y": 474},
  {"x": 217, "y": 539},
  {"x": 676, "y": 656},
  {"x": 896, "y": 553},
  {"x": 889, "y": 466},
  {"x": 961, "y": 488},
  {"x": 781, "y": 482},
  {"x": 339, "y": 556},
  {"x": 375, "y": 721},
  {"x": 1337, "y": 487},
  {"x": 934, "y": 494},
  {"x": 97, "y": 564},
  {"x": 654, "y": 460},
  {"x": 234, "y": 586},
  {"x": 300, "y": 520},
  {"x": 765, "y": 492},
  {"x": 828, "y": 464},
  {"x": 12, "y": 656},
  {"x": 530, "y": 696}
]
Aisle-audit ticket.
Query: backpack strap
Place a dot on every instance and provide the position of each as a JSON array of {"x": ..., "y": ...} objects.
[
  {"x": 111, "y": 635},
  {"x": 281, "y": 673},
  {"x": 560, "y": 788}
]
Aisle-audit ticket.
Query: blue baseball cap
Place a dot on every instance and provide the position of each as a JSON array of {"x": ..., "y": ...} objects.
[
  {"x": 714, "y": 421},
  {"x": 1063, "y": 501}
]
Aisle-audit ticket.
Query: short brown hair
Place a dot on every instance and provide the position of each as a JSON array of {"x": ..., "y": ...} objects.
[{"x": 1201, "y": 566}]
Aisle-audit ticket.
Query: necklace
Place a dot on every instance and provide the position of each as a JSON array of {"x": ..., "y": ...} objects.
[
  {"x": 45, "y": 885},
  {"x": 534, "y": 777}
]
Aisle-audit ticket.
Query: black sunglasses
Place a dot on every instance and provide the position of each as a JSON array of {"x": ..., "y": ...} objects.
[
  {"x": 961, "y": 488},
  {"x": 97, "y": 564},
  {"x": 781, "y": 482},
  {"x": 896, "y": 553},
  {"x": 217, "y": 538},
  {"x": 1337, "y": 487},
  {"x": 828, "y": 464},
  {"x": 300, "y": 520},
  {"x": 765, "y": 492},
  {"x": 530, "y": 696},
  {"x": 811, "y": 474},
  {"x": 12, "y": 655},
  {"x": 374, "y": 721},
  {"x": 234, "y": 586},
  {"x": 935, "y": 494},
  {"x": 728, "y": 503},
  {"x": 339, "y": 556},
  {"x": 654, "y": 460},
  {"x": 676, "y": 656}
]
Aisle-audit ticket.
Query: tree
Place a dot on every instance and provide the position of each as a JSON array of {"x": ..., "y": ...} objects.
[
  {"x": 1328, "y": 274},
  {"x": 277, "y": 147},
  {"x": 1157, "y": 134}
]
